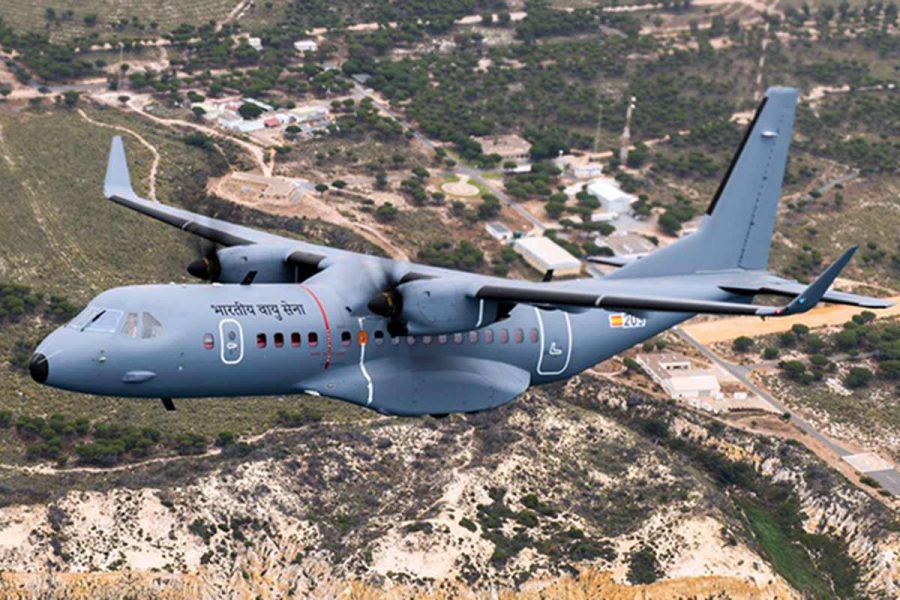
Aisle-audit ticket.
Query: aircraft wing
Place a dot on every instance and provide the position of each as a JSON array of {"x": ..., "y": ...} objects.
[
  {"x": 534, "y": 294},
  {"x": 791, "y": 289},
  {"x": 117, "y": 187}
]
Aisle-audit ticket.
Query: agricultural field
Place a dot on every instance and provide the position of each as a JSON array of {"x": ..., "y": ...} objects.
[{"x": 67, "y": 19}]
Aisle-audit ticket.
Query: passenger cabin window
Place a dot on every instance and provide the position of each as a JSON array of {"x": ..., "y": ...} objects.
[
  {"x": 379, "y": 337},
  {"x": 503, "y": 335},
  {"x": 345, "y": 338},
  {"x": 533, "y": 335},
  {"x": 457, "y": 338},
  {"x": 131, "y": 325},
  {"x": 410, "y": 340},
  {"x": 209, "y": 342},
  {"x": 473, "y": 337},
  {"x": 442, "y": 339},
  {"x": 151, "y": 327},
  {"x": 295, "y": 339},
  {"x": 395, "y": 341},
  {"x": 278, "y": 340},
  {"x": 518, "y": 335},
  {"x": 312, "y": 339},
  {"x": 426, "y": 339},
  {"x": 488, "y": 336},
  {"x": 260, "y": 340}
]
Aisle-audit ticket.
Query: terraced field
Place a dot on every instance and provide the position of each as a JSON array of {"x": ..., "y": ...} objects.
[{"x": 167, "y": 14}]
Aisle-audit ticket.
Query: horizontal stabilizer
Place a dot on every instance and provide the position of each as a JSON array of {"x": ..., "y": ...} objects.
[{"x": 811, "y": 295}]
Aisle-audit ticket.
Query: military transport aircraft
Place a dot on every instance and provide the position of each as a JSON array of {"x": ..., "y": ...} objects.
[{"x": 284, "y": 316}]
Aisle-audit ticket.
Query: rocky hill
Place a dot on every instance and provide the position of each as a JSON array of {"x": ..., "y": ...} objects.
[{"x": 586, "y": 488}]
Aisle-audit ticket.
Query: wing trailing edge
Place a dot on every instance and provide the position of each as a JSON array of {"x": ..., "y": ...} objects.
[{"x": 554, "y": 297}]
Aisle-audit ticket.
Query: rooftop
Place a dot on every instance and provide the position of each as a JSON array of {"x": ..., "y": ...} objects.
[
  {"x": 509, "y": 144},
  {"x": 606, "y": 188},
  {"x": 548, "y": 252},
  {"x": 625, "y": 243}
]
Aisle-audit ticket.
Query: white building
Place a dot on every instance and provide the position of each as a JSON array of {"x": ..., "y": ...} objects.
[
  {"x": 544, "y": 254},
  {"x": 579, "y": 167},
  {"x": 305, "y": 46},
  {"x": 675, "y": 374},
  {"x": 265, "y": 107},
  {"x": 247, "y": 126},
  {"x": 612, "y": 198},
  {"x": 499, "y": 231},
  {"x": 627, "y": 244}
]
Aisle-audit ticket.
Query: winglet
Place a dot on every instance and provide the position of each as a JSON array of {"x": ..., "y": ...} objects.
[
  {"x": 118, "y": 181},
  {"x": 814, "y": 291}
]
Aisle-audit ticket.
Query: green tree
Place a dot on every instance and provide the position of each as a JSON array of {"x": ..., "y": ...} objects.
[
  {"x": 250, "y": 111},
  {"x": 386, "y": 212},
  {"x": 70, "y": 98},
  {"x": 742, "y": 344},
  {"x": 858, "y": 377},
  {"x": 643, "y": 566}
]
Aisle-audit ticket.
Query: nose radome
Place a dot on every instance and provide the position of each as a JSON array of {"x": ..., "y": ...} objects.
[{"x": 39, "y": 367}]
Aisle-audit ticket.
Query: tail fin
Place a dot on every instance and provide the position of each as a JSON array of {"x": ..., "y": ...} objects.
[{"x": 737, "y": 231}]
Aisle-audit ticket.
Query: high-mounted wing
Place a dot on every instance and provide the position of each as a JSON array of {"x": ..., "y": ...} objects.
[
  {"x": 555, "y": 297},
  {"x": 117, "y": 187},
  {"x": 791, "y": 289}
]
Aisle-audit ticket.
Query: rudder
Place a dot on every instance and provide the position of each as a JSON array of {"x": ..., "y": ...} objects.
[{"x": 737, "y": 231}]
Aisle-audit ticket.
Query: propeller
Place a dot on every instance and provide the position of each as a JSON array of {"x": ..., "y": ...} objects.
[
  {"x": 207, "y": 266},
  {"x": 388, "y": 303}
]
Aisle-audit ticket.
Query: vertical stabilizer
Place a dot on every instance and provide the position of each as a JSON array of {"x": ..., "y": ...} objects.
[{"x": 737, "y": 231}]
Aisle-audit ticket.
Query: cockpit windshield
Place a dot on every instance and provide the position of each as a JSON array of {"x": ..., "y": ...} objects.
[
  {"x": 97, "y": 319},
  {"x": 107, "y": 320}
]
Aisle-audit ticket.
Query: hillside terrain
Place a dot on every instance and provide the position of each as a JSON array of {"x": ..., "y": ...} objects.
[
  {"x": 595, "y": 478},
  {"x": 596, "y": 488}
]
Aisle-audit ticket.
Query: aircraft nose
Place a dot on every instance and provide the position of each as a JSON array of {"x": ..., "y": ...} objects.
[{"x": 39, "y": 367}]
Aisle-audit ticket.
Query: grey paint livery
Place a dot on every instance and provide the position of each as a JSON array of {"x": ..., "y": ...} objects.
[{"x": 320, "y": 320}]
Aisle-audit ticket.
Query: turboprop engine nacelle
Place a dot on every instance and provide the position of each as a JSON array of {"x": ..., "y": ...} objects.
[
  {"x": 438, "y": 306},
  {"x": 234, "y": 264}
]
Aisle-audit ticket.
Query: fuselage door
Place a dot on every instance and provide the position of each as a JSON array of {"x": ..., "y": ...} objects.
[
  {"x": 555, "y": 331},
  {"x": 232, "y": 336}
]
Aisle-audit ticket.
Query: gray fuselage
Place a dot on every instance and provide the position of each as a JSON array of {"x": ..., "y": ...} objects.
[{"x": 180, "y": 341}]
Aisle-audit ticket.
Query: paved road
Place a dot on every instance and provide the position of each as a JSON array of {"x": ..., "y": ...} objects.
[{"x": 888, "y": 479}]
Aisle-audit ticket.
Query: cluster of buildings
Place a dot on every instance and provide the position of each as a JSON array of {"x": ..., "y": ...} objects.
[
  {"x": 301, "y": 46},
  {"x": 224, "y": 112},
  {"x": 698, "y": 388}
]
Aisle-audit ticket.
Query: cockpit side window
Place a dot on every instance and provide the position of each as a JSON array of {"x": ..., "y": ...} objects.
[
  {"x": 152, "y": 328},
  {"x": 106, "y": 321},
  {"x": 131, "y": 325}
]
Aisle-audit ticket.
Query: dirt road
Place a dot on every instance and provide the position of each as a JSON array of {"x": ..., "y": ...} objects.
[
  {"x": 154, "y": 167},
  {"x": 721, "y": 330}
]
